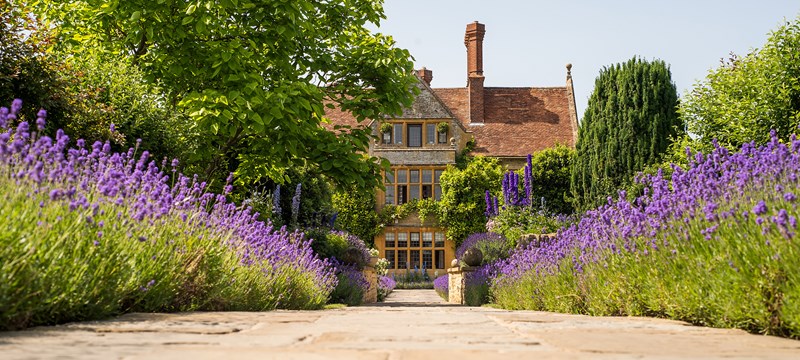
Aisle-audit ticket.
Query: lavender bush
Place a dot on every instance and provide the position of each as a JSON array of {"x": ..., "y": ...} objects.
[
  {"x": 493, "y": 246},
  {"x": 385, "y": 287},
  {"x": 442, "y": 285},
  {"x": 90, "y": 233},
  {"x": 714, "y": 246},
  {"x": 351, "y": 286}
]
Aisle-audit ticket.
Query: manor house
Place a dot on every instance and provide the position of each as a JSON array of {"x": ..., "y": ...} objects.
[{"x": 504, "y": 122}]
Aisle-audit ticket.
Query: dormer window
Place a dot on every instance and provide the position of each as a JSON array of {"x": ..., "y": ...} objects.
[
  {"x": 430, "y": 133},
  {"x": 398, "y": 133},
  {"x": 414, "y": 135}
]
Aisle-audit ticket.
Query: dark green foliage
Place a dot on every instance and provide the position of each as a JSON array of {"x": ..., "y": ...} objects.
[
  {"x": 356, "y": 214},
  {"x": 84, "y": 95},
  {"x": 25, "y": 71},
  {"x": 551, "y": 176},
  {"x": 315, "y": 199},
  {"x": 348, "y": 290},
  {"x": 746, "y": 97},
  {"x": 255, "y": 76},
  {"x": 463, "y": 205},
  {"x": 515, "y": 221},
  {"x": 630, "y": 121}
]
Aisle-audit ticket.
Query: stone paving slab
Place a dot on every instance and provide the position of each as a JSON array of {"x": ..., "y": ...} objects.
[{"x": 411, "y": 324}]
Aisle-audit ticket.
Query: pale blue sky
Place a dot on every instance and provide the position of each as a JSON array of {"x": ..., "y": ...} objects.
[{"x": 528, "y": 43}]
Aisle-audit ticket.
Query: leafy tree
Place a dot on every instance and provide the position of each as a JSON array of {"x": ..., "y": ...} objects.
[
  {"x": 748, "y": 96},
  {"x": 551, "y": 178},
  {"x": 25, "y": 71},
  {"x": 463, "y": 205},
  {"x": 106, "y": 90},
  {"x": 255, "y": 75},
  {"x": 630, "y": 121},
  {"x": 356, "y": 214}
]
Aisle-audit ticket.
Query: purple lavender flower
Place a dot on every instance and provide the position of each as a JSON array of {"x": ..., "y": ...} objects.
[
  {"x": 760, "y": 208},
  {"x": 296, "y": 203}
]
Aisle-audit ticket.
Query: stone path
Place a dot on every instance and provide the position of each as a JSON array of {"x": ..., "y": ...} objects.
[{"x": 411, "y": 324}]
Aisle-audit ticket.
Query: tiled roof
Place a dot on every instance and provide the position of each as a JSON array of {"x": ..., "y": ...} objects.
[
  {"x": 339, "y": 117},
  {"x": 517, "y": 121}
]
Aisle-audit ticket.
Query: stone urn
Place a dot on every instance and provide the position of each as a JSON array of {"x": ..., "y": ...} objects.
[
  {"x": 473, "y": 257},
  {"x": 373, "y": 260},
  {"x": 454, "y": 263}
]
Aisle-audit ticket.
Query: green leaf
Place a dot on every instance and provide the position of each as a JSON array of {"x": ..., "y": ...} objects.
[
  {"x": 190, "y": 10},
  {"x": 136, "y": 15}
]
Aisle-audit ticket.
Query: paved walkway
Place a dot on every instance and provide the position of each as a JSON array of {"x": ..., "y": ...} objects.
[{"x": 412, "y": 324}]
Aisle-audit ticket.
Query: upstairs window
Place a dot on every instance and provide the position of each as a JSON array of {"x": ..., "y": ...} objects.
[
  {"x": 430, "y": 133},
  {"x": 414, "y": 135},
  {"x": 398, "y": 133}
]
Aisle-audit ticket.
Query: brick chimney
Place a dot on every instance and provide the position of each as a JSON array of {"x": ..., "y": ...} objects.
[
  {"x": 426, "y": 75},
  {"x": 473, "y": 40}
]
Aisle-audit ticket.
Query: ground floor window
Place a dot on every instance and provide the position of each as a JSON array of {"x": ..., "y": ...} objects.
[{"x": 414, "y": 249}]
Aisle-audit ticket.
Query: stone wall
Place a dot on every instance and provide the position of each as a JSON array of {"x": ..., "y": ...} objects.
[
  {"x": 371, "y": 295},
  {"x": 456, "y": 284}
]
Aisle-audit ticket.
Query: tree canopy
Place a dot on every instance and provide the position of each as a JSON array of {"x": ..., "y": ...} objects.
[
  {"x": 630, "y": 120},
  {"x": 255, "y": 75},
  {"x": 748, "y": 96}
]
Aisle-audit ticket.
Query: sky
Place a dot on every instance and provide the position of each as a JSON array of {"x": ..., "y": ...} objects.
[{"x": 528, "y": 43}]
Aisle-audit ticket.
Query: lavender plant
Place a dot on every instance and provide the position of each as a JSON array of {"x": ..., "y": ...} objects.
[
  {"x": 385, "y": 287},
  {"x": 442, "y": 285},
  {"x": 493, "y": 246},
  {"x": 715, "y": 245},
  {"x": 90, "y": 233}
]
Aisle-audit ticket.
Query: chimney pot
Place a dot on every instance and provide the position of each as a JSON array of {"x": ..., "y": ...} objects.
[
  {"x": 426, "y": 75},
  {"x": 473, "y": 39}
]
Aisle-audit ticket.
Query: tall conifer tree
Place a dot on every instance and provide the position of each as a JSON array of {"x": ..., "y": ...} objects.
[{"x": 629, "y": 122}]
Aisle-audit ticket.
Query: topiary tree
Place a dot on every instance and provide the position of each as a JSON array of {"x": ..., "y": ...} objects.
[
  {"x": 630, "y": 120},
  {"x": 748, "y": 96}
]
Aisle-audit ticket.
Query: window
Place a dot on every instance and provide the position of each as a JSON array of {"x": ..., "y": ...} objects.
[
  {"x": 402, "y": 259},
  {"x": 440, "y": 259},
  {"x": 389, "y": 194},
  {"x": 389, "y": 239},
  {"x": 414, "y": 135},
  {"x": 402, "y": 240},
  {"x": 430, "y": 134},
  {"x": 398, "y": 133},
  {"x": 414, "y": 248},
  {"x": 439, "y": 240},
  {"x": 427, "y": 239},
  {"x": 427, "y": 192},
  {"x": 390, "y": 257},
  {"x": 387, "y": 137},
  {"x": 414, "y": 259},
  {"x": 414, "y": 187},
  {"x": 406, "y": 184},
  {"x": 414, "y": 240},
  {"x": 427, "y": 259}
]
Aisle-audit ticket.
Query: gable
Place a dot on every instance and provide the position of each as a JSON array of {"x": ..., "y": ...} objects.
[{"x": 426, "y": 105}]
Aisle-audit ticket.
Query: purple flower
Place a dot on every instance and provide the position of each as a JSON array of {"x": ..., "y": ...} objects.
[{"x": 760, "y": 208}]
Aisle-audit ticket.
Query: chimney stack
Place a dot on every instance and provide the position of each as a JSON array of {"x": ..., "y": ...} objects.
[
  {"x": 426, "y": 75},
  {"x": 473, "y": 40}
]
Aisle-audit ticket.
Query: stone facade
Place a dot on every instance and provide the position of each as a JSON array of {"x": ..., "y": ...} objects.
[{"x": 504, "y": 122}]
